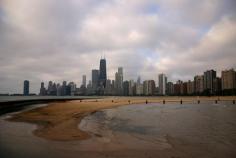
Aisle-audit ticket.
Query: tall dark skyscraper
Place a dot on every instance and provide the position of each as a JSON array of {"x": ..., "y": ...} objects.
[
  {"x": 103, "y": 73},
  {"x": 26, "y": 87}
]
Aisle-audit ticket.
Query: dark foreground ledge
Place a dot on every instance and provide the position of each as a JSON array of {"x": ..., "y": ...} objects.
[{"x": 12, "y": 104}]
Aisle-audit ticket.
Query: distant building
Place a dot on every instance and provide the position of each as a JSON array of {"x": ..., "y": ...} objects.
[
  {"x": 26, "y": 87},
  {"x": 126, "y": 88},
  {"x": 108, "y": 89},
  {"x": 131, "y": 87},
  {"x": 190, "y": 87},
  {"x": 162, "y": 84},
  {"x": 217, "y": 86},
  {"x": 183, "y": 88},
  {"x": 198, "y": 84},
  {"x": 177, "y": 87},
  {"x": 228, "y": 82},
  {"x": 170, "y": 88},
  {"x": 139, "y": 80},
  {"x": 145, "y": 87},
  {"x": 95, "y": 79},
  {"x": 71, "y": 88},
  {"x": 228, "y": 79},
  {"x": 149, "y": 87},
  {"x": 139, "y": 87},
  {"x": 119, "y": 81},
  {"x": 102, "y": 73},
  {"x": 63, "y": 88},
  {"x": 209, "y": 77},
  {"x": 84, "y": 80},
  {"x": 43, "y": 90},
  {"x": 59, "y": 90}
]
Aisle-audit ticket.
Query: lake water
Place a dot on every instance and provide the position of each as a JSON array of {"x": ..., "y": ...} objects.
[{"x": 149, "y": 130}]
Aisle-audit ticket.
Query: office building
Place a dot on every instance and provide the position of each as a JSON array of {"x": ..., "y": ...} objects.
[
  {"x": 170, "y": 88},
  {"x": 198, "y": 84},
  {"x": 95, "y": 79},
  {"x": 119, "y": 81},
  {"x": 162, "y": 84},
  {"x": 26, "y": 87},
  {"x": 84, "y": 81},
  {"x": 102, "y": 73},
  {"x": 126, "y": 88},
  {"x": 43, "y": 90},
  {"x": 209, "y": 76},
  {"x": 228, "y": 79}
]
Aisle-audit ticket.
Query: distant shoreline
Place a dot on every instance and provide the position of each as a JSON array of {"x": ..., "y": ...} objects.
[
  {"x": 11, "y": 104},
  {"x": 59, "y": 121}
]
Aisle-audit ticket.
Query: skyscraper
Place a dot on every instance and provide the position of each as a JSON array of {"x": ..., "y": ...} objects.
[
  {"x": 162, "y": 84},
  {"x": 119, "y": 81},
  {"x": 84, "y": 80},
  {"x": 102, "y": 73},
  {"x": 209, "y": 77},
  {"x": 26, "y": 87},
  {"x": 63, "y": 88},
  {"x": 95, "y": 78},
  {"x": 126, "y": 88},
  {"x": 42, "y": 89}
]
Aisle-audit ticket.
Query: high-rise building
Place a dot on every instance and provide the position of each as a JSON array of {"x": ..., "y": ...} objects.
[
  {"x": 119, "y": 81},
  {"x": 183, "y": 88},
  {"x": 145, "y": 87},
  {"x": 102, "y": 73},
  {"x": 63, "y": 88},
  {"x": 198, "y": 84},
  {"x": 228, "y": 79},
  {"x": 42, "y": 89},
  {"x": 84, "y": 81},
  {"x": 149, "y": 87},
  {"x": 162, "y": 84},
  {"x": 126, "y": 88},
  {"x": 131, "y": 87},
  {"x": 170, "y": 88},
  {"x": 108, "y": 89},
  {"x": 190, "y": 87},
  {"x": 71, "y": 88},
  {"x": 177, "y": 87},
  {"x": 139, "y": 80},
  {"x": 26, "y": 87},
  {"x": 217, "y": 86},
  {"x": 95, "y": 78},
  {"x": 59, "y": 89},
  {"x": 209, "y": 76},
  {"x": 139, "y": 87}
]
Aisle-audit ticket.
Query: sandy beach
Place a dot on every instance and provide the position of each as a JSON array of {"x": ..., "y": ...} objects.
[{"x": 59, "y": 121}]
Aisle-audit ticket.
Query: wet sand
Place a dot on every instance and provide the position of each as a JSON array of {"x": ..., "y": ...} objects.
[{"x": 59, "y": 121}]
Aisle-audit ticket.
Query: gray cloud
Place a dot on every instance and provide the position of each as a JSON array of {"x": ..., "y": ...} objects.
[{"x": 58, "y": 40}]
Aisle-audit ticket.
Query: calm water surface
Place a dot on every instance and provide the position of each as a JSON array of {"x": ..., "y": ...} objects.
[{"x": 170, "y": 130}]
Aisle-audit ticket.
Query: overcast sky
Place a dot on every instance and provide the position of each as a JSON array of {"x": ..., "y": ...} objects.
[{"x": 42, "y": 40}]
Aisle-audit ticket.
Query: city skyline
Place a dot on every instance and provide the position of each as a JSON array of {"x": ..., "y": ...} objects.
[
  {"x": 54, "y": 40},
  {"x": 100, "y": 84},
  {"x": 207, "y": 83}
]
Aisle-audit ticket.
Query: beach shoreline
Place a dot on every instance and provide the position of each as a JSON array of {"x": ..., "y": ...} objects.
[{"x": 59, "y": 121}]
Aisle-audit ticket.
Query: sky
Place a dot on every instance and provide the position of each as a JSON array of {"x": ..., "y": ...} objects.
[{"x": 43, "y": 40}]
